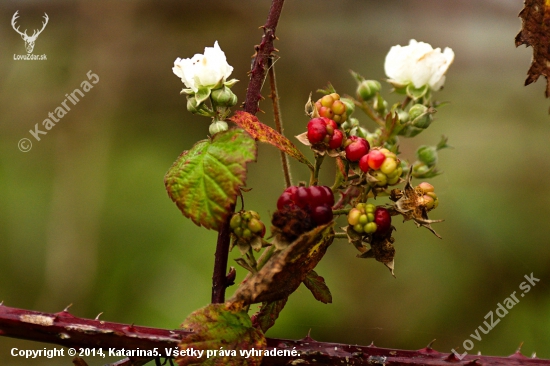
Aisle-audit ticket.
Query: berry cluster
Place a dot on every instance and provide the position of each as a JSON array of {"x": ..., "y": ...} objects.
[
  {"x": 365, "y": 218},
  {"x": 323, "y": 132},
  {"x": 317, "y": 201},
  {"x": 247, "y": 225},
  {"x": 430, "y": 200},
  {"x": 330, "y": 106},
  {"x": 356, "y": 148},
  {"x": 383, "y": 165}
]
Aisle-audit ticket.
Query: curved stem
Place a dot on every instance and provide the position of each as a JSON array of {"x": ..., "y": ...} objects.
[
  {"x": 253, "y": 96},
  {"x": 278, "y": 119}
]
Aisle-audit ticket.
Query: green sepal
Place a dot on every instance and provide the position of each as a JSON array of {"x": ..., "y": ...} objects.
[
  {"x": 416, "y": 93},
  {"x": 202, "y": 94},
  {"x": 231, "y": 83}
]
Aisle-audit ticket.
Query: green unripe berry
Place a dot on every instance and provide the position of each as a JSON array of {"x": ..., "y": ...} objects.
[
  {"x": 393, "y": 180},
  {"x": 238, "y": 231},
  {"x": 353, "y": 216},
  {"x": 247, "y": 234},
  {"x": 255, "y": 225},
  {"x": 363, "y": 219},
  {"x": 370, "y": 217},
  {"x": 360, "y": 207},
  {"x": 370, "y": 208},
  {"x": 381, "y": 177},
  {"x": 388, "y": 166},
  {"x": 235, "y": 221},
  {"x": 367, "y": 89},
  {"x": 358, "y": 228},
  {"x": 370, "y": 228}
]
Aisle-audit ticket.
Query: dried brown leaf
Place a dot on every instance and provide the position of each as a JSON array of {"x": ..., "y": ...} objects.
[{"x": 535, "y": 32}]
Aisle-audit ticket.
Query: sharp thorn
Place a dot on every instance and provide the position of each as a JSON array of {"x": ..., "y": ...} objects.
[
  {"x": 534, "y": 355},
  {"x": 479, "y": 353},
  {"x": 2, "y": 303},
  {"x": 66, "y": 310},
  {"x": 452, "y": 358},
  {"x": 98, "y": 315},
  {"x": 519, "y": 347},
  {"x": 429, "y": 346},
  {"x": 473, "y": 362}
]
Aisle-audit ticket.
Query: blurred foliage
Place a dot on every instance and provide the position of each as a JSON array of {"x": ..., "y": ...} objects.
[{"x": 85, "y": 219}]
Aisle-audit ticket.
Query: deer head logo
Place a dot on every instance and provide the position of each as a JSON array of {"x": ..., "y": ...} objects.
[{"x": 29, "y": 41}]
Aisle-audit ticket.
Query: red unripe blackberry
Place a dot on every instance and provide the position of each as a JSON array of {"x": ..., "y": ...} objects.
[
  {"x": 375, "y": 159},
  {"x": 357, "y": 148},
  {"x": 382, "y": 219},
  {"x": 336, "y": 140},
  {"x": 316, "y": 130}
]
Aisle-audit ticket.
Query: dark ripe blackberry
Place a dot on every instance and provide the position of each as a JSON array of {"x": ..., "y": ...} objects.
[{"x": 292, "y": 223}]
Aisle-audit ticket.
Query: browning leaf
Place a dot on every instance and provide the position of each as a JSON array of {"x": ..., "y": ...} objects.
[
  {"x": 316, "y": 284},
  {"x": 535, "y": 32},
  {"x": 284, "y": 272},
  {"x": 268, "y": 314},
  {"x": 264, "y": 133},
  {"x": 217, "y": 327}
]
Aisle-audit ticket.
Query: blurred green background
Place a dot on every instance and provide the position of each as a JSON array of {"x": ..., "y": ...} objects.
[{"x": 85, "y": 219}]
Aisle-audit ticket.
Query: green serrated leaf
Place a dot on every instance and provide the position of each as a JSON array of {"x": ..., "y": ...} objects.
[
  {"x": 204, "y": 181},
  {"x": 316, "y": 284},
  {"x": 219, "y": 328}
]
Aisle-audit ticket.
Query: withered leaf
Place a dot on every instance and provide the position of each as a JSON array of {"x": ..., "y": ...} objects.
[
  {"x": 316, "y": 284},
  {"x": 535, "y": 32},
  {"x": 284, "y": 272},
  {"x": 264, "y": 133},
  {"x": 219, "y": 327},
  {"x": 268, "y": 314}
]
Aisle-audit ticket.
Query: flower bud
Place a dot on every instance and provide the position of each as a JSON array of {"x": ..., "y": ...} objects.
[
  {"x": 420, "y": 116},
  {"x": 359, "y": 132},
  {"x": 380, "y": 105},
  {"x": 350, "y": 106},
  {"x": 367, "y": 89},
  {"x": 427, "y": 155},
  {"x": 192, "y": 105},
  {"x": 218, "y": 126},
  {"x": 223, "y": 97}
]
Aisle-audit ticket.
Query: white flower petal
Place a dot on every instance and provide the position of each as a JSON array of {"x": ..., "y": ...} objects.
[
  {"x": 203, "y": 70},
  {"x": 419, "y": 64}
]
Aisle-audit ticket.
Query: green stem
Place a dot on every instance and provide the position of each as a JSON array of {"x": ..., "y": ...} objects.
[
  {"x": 341, "y": 235},
  {"x": 318, "y": 162},
  {"x": 278, "y": 119},
  {"x": 370, "y": 112},
  {"x": 266, "y": 255},
  {"x": 343, "y": 211}
]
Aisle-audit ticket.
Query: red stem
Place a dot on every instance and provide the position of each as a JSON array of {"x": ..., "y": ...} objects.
[
  {"x": 68, "y": 330},
  {"x": 253, "y": 96}
]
